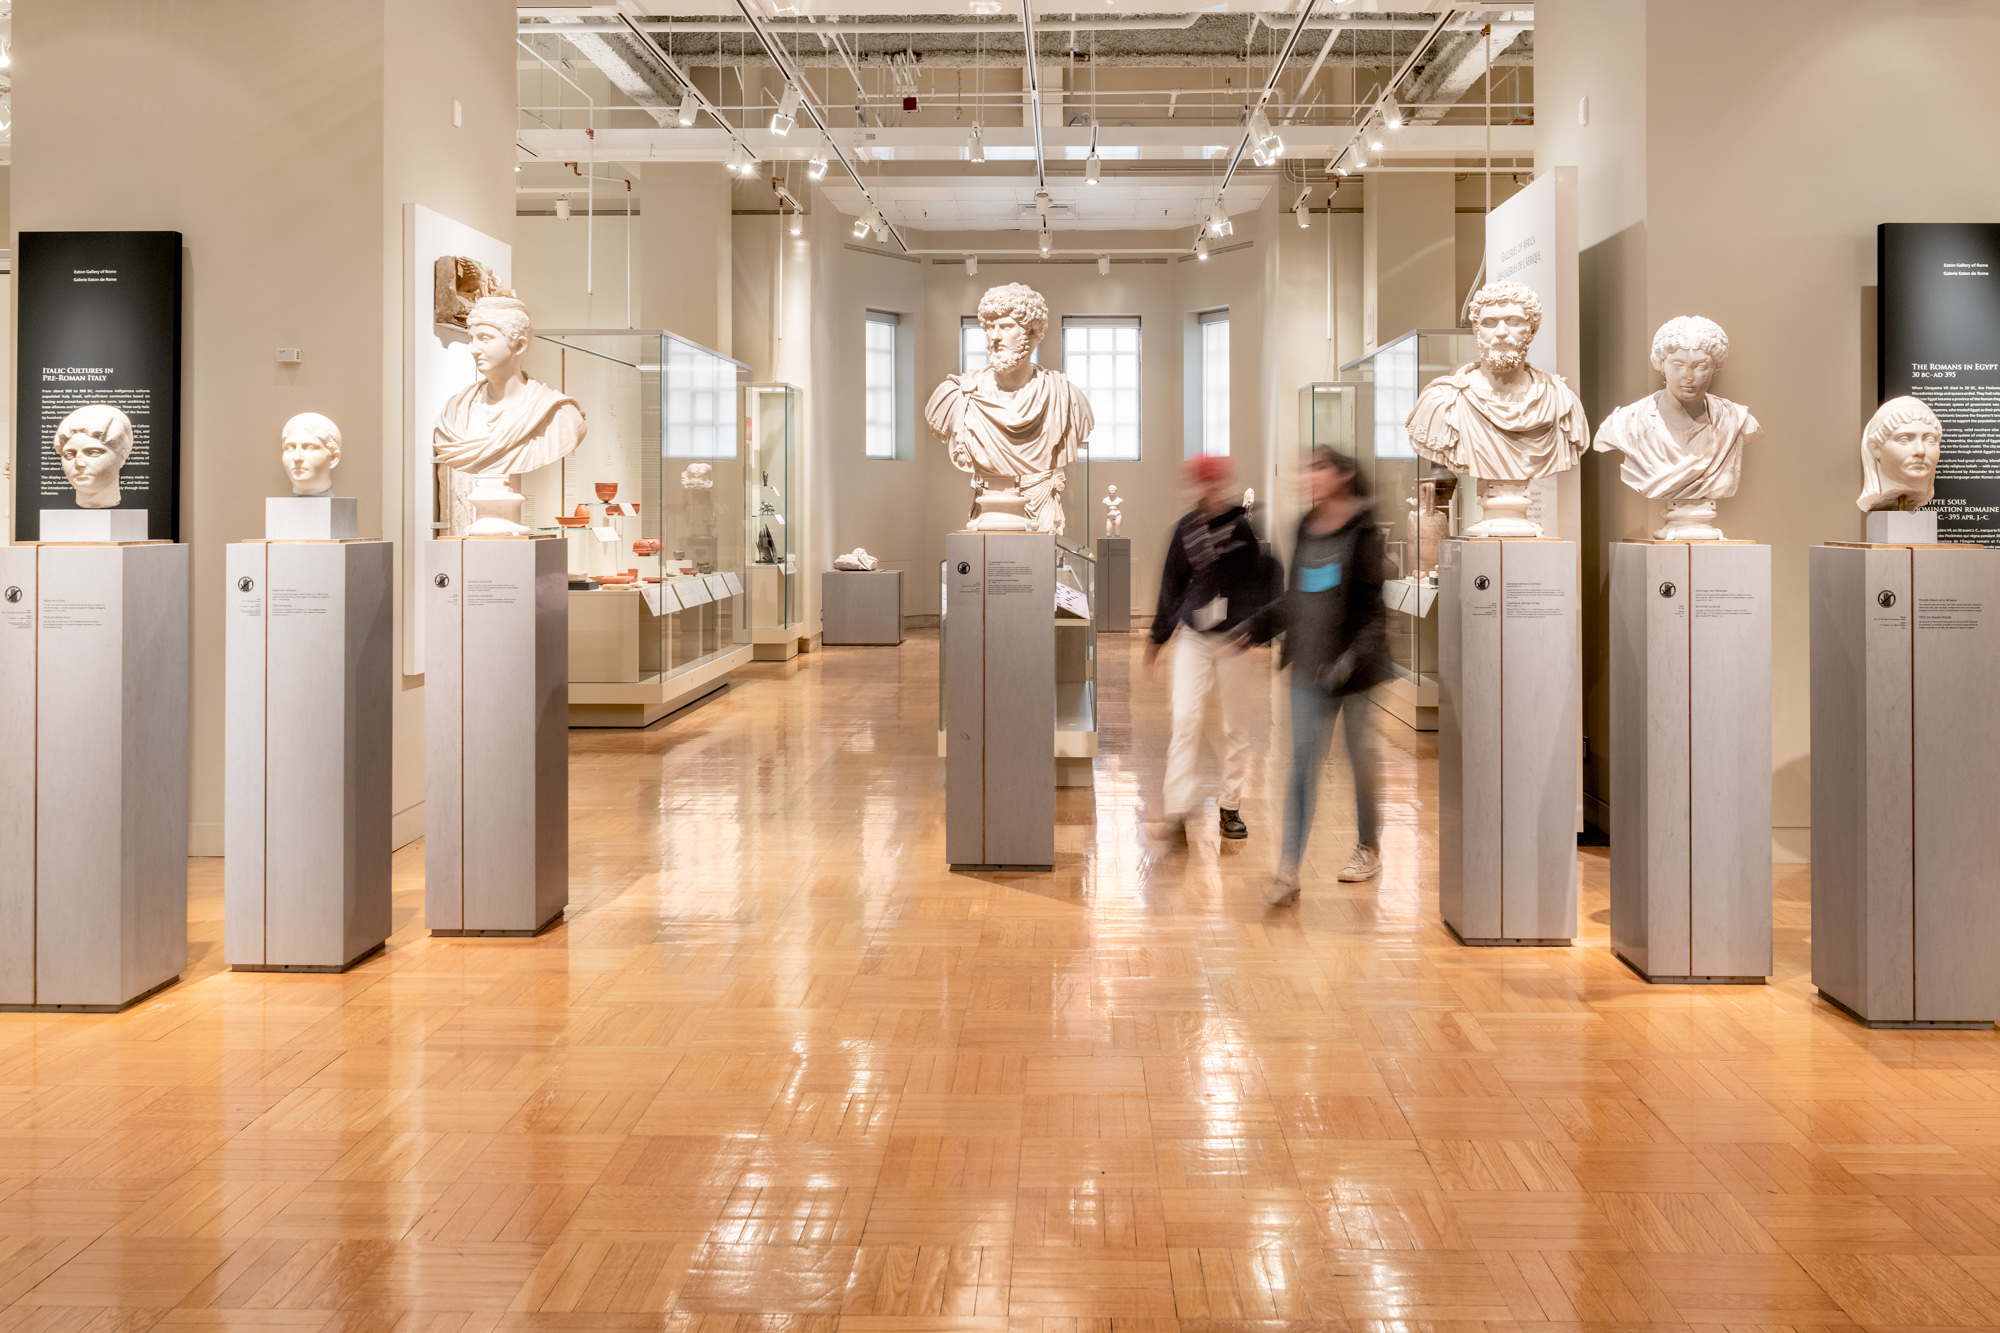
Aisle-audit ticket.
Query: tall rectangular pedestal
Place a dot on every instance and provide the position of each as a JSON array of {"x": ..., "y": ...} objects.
[
  {"x": 93, "y": 773},
  {"x": 1114, "y": 585},
  {"x": 1691, "y": 760},
  {"x": 1000, "y": 699},
  {"x": 1507, "y": 740},
  {"x": 1905, "y": 761},
  {"x": 307, "y": 743},
  {"x": 496, "y": 738}
]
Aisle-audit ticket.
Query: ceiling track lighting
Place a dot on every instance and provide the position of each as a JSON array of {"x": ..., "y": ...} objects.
[
  {"x": 1043, "y": 203},
  {"x": 816, "y": 167},
  {"x": 787, "y": 114},
  {"x": 976, "y": 150},
  {"x": 690, "y": 106},
  {"x": 1201, "y": 247},
  {"x": 562, "y": 208},
  {"x": 861, "y": 228},
  {"x": 798, "y": 222},
  {"x": 1092, "y": 168},
  {"x": 1047, "y": 245},
  {"x": 1104, "y": 266},
  {"x": 740, "y": 161},
  {"x": 1304, "y": 219},
  {"x": 972, "y": 266}
]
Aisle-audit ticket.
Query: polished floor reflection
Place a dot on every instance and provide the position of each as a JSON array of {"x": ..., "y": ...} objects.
[{"x": 780, "y": 1069}]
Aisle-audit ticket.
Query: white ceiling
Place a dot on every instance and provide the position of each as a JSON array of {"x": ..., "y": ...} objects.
[{"x": 959, "y": 203}]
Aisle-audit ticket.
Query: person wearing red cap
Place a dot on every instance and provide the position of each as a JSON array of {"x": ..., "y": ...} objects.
[{"x": 1214, "y": 578}]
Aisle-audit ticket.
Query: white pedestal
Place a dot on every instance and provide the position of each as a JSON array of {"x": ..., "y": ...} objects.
[
  {"x": 307, "y": 743},
  {"x": 1507, "y": 740},
  {"x": 1691, "y": 760},
  {"x": 1905, "y": 762},
  {"x": 999, "y": 698},
  {"x": 93, "y": 773},
  {"x": 859, "y": 606},
  {"x": 93, "y": 525},
  {"x": 1114, "y": 585},
  {"x": 496, "y": 738},
  {"x": 311, "y": 518},
  {"x": 1898, "y": 527}
]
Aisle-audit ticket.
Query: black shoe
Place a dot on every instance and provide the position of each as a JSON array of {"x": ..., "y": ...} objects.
[{"x": 1233, "y": 826}]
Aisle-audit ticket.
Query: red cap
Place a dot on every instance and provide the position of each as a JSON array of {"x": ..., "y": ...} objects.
[{"x": 1207, "y": 469}]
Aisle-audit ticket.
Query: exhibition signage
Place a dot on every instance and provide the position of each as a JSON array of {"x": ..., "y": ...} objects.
[
  {"x": 100, "y": 323},
  {"x": 1938, "y": 339}
]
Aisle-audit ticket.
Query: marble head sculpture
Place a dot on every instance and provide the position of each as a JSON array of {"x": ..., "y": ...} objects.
[
  {"x": 697, "y": 477},
  {"x": 93, "y": 443},
  {"x": 310, "y": 447},
  {"x": 1500, "y": 419},
  {"x": 503, "y": 424},
  {"x": 1012, "y": 424},
  {"x": 1899, "y": 456},
  {"x": 457, "y": 284},
  {"x": 1683, "y": 444}
]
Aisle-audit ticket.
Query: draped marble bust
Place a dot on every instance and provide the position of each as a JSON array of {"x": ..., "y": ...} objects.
[
  {"x": 501, "y": 425},
  {"x": 1500, "y": 419},
  {"x": 1683, "y": 444},
  {"x": 1012, "y": 424}
]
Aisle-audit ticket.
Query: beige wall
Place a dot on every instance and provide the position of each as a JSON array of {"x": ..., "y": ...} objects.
[
  {"x": 284, "y": 142},
  {"x": 1409, "y": 244},
  {"x": 1718, "y": 177},
  {"x": 684, "y": 226}
]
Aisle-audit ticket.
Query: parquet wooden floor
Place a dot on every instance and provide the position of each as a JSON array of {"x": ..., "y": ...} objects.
[{"x": 780, "y": 1070}]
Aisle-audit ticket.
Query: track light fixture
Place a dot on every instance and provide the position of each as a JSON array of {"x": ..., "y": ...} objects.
[
  {"x": 740, "y": 161},
  {"x": 798, "y": 222},
  {"x": 976, "y": 151},
  {"x": 1104, "y": 266},
  {"x": 690, "y": 106},
  {"x": 816, "y": 167},
  {"x": 861, "y": 228},
  {"x": 1304, "y": 219},
  {"x": 1265, "y": 145},
  {"x": 1042, "y": 203},
  {"x": 1201, "y": 247},
  {"x": 972, "y": 266},
  {"x": 1048, "y": 243},
  {"x": 787, "y": 114},
  {"x": 562, "y": 208},
  {"x": 1092, "y": 167}
]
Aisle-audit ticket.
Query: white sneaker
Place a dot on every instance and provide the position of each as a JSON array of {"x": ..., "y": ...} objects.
[
  {"x": 1365, "y": 864},
  {"x": 1284, "y": 889}
]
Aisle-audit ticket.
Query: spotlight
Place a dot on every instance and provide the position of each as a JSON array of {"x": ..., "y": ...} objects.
[
  {"x": 740, "y": 160},
  {"x": 690, "y": 106},
  {"x": 787, "y": 114},
  {"x": 976, "y": 151},
  {"x": 1042, "y": 203},
  {"x": 1265, "y": 145},
  {"x": 1394, "y": 116},
  {"x": 972, "y": 266},
  {"x": 861, "y": 228},
  {"x": 816, "y": 168},
  {"x": 1047, "y": 244},
  {"x": 798, "y": 222},
  {"x": 562, "y": 209},
  {"x": 1201, "y": 247},
  {"x": 1104, "y": 266},
  {"x": 1091, "y": 168},
  {"x": 1305, "y": 221}
]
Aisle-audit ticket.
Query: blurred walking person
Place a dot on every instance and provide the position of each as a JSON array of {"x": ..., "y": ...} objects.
[
  {"x": 1336, "y": 634},
  {"x": 1213, "y": 580}
]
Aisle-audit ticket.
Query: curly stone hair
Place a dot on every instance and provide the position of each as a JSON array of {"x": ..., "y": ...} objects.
[
  {"x": 1507, "y": 293},
  {"x": 1690, "y": 333},
  {"x": 1021, "y": 301}
]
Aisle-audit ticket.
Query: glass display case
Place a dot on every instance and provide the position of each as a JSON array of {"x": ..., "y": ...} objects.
[
  {"x": 773, "y": 414},
  {"x": 1416, "y": 502},
  {"x": 647, "y": 504}
]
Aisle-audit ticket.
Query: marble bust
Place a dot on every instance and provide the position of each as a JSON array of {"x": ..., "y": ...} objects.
[
  {"x": 1114, "y": 512},
  {"x": 1683, "y": 444},
  {"x": 1012, "y": 424},
  {"x": 1899, "y": 456},
  {"x": 93, "y": 443},
  {"x": 310, "y": 447},
  {"x": 1500, "y": 419},
  {"x": 698, "y": 477},
  {"x": 503, "y": 424}
]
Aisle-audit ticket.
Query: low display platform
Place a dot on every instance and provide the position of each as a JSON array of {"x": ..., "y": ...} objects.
[{"x": 861, "y": 606}]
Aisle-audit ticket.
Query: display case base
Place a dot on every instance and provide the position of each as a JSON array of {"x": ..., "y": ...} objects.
[
  {"x": 646, "y": 702},
  {"x": 349, "y": 965},
  {"x": 783, "y": 650}
]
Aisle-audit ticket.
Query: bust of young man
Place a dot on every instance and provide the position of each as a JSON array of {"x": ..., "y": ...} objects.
[
  {"x": 310, "y": 448},
  {"x": 503, "y": 424},
  {"x": 1500, "y": 419},
  {"x": 1683, "y": 444},
  {"x": 1012, "y": 424}
]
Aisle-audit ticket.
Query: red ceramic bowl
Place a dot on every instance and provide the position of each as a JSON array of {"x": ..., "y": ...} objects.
[
  {"x": 646, "y": 546},
  {"x": 607, "y": 490}
]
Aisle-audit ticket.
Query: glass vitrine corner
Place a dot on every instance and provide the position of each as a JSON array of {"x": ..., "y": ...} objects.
[{"x": 773, "y": 418}]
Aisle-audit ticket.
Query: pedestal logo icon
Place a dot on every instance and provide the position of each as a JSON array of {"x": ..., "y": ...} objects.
[
  {"x": 442, "y": 580},
  {"x": 1482, "y": 583},
  {"x": 1885, "y": 598},
  {"x": 13, "y": 594},
  {"x": 1668, "y": 589},
  {"x": 245, "y": 584},
  {"x": 965, "y": 567}
]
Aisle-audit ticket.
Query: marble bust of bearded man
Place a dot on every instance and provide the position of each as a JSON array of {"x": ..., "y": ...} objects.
[
  {"x": 1500, "y": 419},
  {"x": 1012, "y": 424}
]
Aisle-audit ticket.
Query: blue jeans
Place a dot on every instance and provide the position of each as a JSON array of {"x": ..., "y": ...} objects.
[{"x": 1313, "y": 714}]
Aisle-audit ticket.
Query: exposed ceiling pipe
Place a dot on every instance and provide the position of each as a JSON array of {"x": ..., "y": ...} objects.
[
  {"x": 653, "y": 48},
  {"x": 812, "y": 108},
  {"x": 879, "y": 27},
  {"x": 1034, "y": 77},
  {"x": 1270, "y": 83}
]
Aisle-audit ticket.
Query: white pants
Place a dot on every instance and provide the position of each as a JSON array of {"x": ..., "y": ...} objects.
[{"x": 1202, "y": 665}]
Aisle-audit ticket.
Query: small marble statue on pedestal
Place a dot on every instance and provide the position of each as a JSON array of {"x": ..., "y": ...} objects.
[
  {"x": 310, "y": 447},
  {"x": 856, "y": 561},
  {"x": 1500, "y": 419},
  {"x": 503, "y": 424},
  {"x": 1012, "y": 424},
  {"x": 1114, "y": 512},
  {"x": 1683, "y": 444},
  {"x": 93, "y": 443}
]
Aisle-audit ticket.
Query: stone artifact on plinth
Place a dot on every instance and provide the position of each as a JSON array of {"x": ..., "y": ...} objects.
[
  {"x": 1114, "y": 512},
  {"x": 1899, "y": 458},
  {"x": 1500, "y": 419},
  {"x": 310, "y": 446},
  {"x": 1012, "y": 424},
  {"x": 1683, "y": 444},
  {"x": 93, "y": 443},
  {"x": 501, "y": 425},
  {"x": 855, "y": 561}
]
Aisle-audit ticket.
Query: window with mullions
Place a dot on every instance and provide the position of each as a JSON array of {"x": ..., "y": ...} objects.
[
  {"x": 878, "y": 385},
  {"x": 1101, "y": 357},
  {"x": 1215, "y": 382}
]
